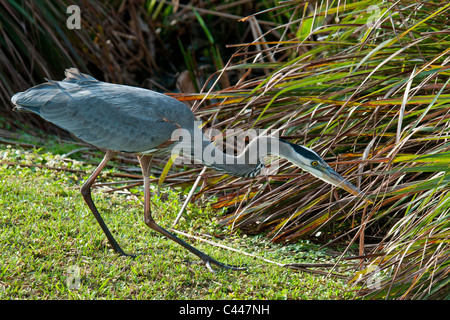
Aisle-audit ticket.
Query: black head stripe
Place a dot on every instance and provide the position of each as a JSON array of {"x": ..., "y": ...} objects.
[{"x": 305, "y": 152}]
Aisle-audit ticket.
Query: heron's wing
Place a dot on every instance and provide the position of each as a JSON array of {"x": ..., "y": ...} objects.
[
  {"x": 109, "y": 116},
  {"x": 34, "y": 98}
]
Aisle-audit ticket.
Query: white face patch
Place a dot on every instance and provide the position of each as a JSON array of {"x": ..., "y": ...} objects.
[{"x": 315, "y": 173}]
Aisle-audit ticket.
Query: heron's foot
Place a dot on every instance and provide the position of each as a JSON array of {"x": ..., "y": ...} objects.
[
  {"x": 207, "y": 261},
  {"x": 117, "y": 249},
  {"x": 222, "y": 265},
  {"x": 122, "y": 253}
]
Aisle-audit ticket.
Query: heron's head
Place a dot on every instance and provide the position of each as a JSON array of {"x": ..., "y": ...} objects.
[{"x": 311, "y": 162}]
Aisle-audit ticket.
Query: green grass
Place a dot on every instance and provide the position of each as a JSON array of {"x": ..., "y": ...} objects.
[{"x": 46, "y": 230}]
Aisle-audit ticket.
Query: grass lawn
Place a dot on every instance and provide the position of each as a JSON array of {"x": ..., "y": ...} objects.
[{"x": 52, "y": 247}]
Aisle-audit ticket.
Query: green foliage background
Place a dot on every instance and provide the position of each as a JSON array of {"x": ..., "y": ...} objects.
[{"x": 365, "y": 83}]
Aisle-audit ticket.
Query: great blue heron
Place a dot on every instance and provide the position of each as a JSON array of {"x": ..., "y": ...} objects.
[{"x": 122, "y": 118}]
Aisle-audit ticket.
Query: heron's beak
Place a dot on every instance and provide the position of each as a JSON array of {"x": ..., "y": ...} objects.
[{"x": 334, "y": 178}]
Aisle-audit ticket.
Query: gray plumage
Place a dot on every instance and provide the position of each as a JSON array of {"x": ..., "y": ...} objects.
[
  {"x": 109, "y": 116},
  {"x": 125, "y": 119}
]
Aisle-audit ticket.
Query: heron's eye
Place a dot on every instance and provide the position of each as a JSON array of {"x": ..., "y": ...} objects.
[{"x": 314, "y": 163}]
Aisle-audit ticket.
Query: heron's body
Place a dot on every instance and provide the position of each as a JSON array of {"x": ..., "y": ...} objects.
[
  {"x": 122, "y": 118},
  {"x": 84, "y": 106}
]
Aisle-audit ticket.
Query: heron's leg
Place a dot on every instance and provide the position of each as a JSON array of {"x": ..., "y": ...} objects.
[
  {"x": 86, "y": 192},
  {"x": 145, "y": 165}
]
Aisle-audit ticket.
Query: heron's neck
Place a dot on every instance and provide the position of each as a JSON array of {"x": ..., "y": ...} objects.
[{"x": 246, "y": 164}]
